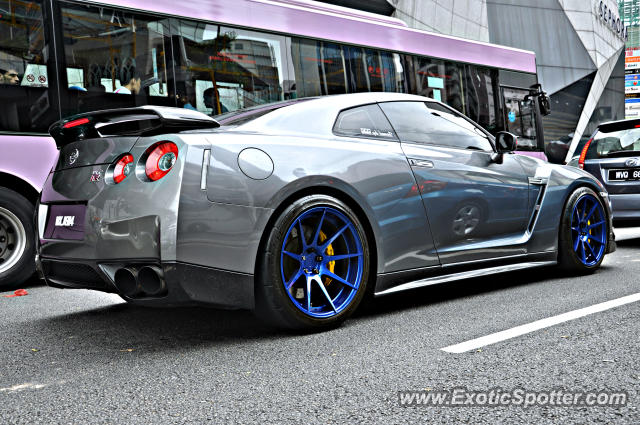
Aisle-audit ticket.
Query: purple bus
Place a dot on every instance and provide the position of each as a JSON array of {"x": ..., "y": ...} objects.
[{"x": 59, "y": 58}]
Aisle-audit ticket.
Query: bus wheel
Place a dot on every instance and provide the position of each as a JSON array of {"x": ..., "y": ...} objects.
[{"x": 17, "y": 238}]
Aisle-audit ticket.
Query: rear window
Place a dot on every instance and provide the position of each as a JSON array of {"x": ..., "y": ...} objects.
[
  {"x": 246, "y": 115},
  {"x": 616, "y": 143}
]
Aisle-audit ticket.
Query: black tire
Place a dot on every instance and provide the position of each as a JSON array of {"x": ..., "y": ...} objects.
[
  {"x": 567, "y": 258},
  {"x": 272, "y": 301},
  {"x": 17, "y": 238}
]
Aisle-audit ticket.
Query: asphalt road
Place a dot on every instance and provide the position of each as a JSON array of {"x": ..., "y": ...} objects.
[{"x": 75, "y": 356}]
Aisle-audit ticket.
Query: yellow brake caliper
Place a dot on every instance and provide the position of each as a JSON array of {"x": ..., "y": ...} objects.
[{"x": 331, "y": 265}]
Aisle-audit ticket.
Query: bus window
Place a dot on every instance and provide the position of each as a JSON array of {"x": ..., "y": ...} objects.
[
  {"x": 521, "y": 117},
  {"x": 223, "y": 69},
  {"x": 319, "y": 68},
  {"x": 439, "y": 80},
  {"x": 113, "y": 59},
  {"x": 481, "y": 91},
  {"x": 24, "y": 93},
  {"x": 371, "y": 70}
]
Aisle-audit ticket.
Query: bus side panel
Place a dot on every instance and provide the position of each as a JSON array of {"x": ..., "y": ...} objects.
[{"x": 29, "y": 158}]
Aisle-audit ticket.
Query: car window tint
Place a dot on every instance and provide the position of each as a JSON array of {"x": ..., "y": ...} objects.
[
  {"x": 414, "y": 122},
  {"x": 458, "y": 119},
  {"x": 364, "y": 121},
  {"x": 25, "y": 99}
]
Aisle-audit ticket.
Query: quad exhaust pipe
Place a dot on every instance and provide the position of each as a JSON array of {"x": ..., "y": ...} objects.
[{"x": 136, "y": 282}]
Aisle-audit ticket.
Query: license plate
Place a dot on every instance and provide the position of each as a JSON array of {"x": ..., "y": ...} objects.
[
  {"x": 66, "y": 222},
  {"x": 629, "y": 174}
]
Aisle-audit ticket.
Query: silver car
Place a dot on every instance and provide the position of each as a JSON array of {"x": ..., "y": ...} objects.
[{"x": 300, "y": 209}]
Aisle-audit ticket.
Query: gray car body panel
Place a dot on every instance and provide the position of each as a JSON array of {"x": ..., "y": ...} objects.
[{"x": 215, "y": 206}]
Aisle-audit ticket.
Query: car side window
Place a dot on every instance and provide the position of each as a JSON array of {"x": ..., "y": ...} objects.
[
  {"x": 458, "y": 119},
  {"x": 364, "y": 121},
  {"x": 414, "y": 122}
]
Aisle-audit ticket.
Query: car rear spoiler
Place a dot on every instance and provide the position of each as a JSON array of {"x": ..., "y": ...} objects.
[{"x": 142, "y": 121}]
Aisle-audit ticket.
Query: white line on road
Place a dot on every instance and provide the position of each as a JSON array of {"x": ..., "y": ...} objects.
[{"x": 539, "y": 324}]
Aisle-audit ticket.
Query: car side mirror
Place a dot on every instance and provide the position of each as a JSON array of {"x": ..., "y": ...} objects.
[{"x": 506, "y": 142}]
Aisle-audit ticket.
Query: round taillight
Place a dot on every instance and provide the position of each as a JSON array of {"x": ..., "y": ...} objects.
[
  {"x": 161, "y": 160},
  {"x": 123, "y": 168}
]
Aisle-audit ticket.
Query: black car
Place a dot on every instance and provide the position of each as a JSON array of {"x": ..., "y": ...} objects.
[{"x": 612, "y": 155}]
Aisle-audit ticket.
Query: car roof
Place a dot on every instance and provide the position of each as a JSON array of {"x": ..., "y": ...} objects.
[
  {"x": 317, "y": 116},
  {"x": 630, "y": 122}
]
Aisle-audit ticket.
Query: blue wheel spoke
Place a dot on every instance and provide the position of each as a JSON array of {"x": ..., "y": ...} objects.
[
  {"x": 292, "y": 255},
  {"x": 595, "y": 205},
  {"x": 326, "y": 294},
  {"x": 576, "y": 243},
  {"x": 575, "y": 229},
  {"x": 315, "y": 237},
  {"x": 334, "y": 237},
  {"x": 301, "y": 233},
  {"x": 334, "y": 276},
  {"x": 584, "y": 253},
  {"x": 330, "y": 258},
  {"x": 595, "y": 225},
  {"x": 584, "y": 208},
  {"x": 293, "y": 279},
  {"x": 590, "y": 249},
  {"x": 308, "y": 294}
]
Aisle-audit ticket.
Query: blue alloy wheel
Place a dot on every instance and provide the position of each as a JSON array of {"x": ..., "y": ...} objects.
[
  {"x": 321, "y": 262},
  {"x": 588, "y": 230}
]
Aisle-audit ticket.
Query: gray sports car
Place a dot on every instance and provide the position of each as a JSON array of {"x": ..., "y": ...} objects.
[{"x": 300, "y": 209}]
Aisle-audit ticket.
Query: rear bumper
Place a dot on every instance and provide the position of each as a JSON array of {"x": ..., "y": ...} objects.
[{"x": 183, "y": 284}]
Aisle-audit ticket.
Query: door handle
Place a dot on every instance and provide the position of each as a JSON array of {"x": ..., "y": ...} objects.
[{"x": 420, "y": 163}]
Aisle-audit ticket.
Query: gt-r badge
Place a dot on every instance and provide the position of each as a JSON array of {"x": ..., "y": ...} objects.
[
  {"x": 96, "y": 176},
  {"x": 73, "y": 157}
]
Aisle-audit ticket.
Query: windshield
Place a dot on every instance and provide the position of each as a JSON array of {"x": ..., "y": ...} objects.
[{"x": 615, "y": 143}]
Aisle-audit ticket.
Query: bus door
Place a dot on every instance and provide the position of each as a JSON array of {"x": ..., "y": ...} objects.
[{"x": 522, "y": 118}]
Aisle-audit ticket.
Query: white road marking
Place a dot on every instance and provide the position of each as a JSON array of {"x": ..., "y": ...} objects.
[
  {"x": 539, "y": 324},
  {"x": 20, "y": 387}
]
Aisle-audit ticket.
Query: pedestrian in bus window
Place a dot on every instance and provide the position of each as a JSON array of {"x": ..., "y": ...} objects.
[
  {"x": 185, "y": 102},
  {"x": 133, "y": 84},
  {"x": 211, "y": 97},
  {"x": 9, "y": 76}
]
